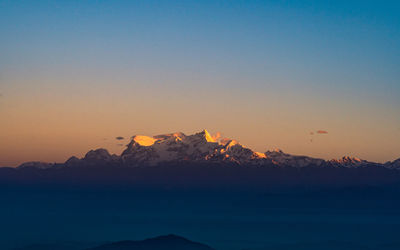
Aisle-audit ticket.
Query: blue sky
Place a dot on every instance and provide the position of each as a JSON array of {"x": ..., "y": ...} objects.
[{"x": 310, "y": 65}]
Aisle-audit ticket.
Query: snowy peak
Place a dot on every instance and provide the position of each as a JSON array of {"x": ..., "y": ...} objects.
[
  {"x": 204, "y": 134},
  {"x": 202, "y": 137},
  {"x": 174, "y": 136},
  {"x": 347, "y": 161},
  {"x": 143, "y": 140},
  {"x": 229, "y": 143}
]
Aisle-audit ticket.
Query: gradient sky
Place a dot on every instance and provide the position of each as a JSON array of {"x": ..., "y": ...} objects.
[{"x": 76, "y": 74}]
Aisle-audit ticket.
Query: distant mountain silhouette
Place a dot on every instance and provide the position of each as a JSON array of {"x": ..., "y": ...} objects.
[{"x": 168, "y": 242}]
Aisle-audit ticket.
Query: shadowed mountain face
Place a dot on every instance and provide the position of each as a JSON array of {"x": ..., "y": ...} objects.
[{"x": 169, "y": 242}]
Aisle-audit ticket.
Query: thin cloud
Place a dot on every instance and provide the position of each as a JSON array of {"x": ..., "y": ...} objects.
[
  {"x": 119, "y": 138},
  {"x": 216, "y": 136},
  {"x": 322, "y": 132}
]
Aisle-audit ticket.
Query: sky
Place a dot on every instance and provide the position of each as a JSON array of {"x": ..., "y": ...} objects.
[{"x": 74, "y": 75}]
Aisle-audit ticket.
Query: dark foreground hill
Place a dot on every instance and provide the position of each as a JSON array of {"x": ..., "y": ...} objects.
[{"x": 168, "y": 242}]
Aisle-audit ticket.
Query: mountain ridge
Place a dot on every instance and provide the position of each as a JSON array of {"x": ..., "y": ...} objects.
[{"x": 201, "y": 147}]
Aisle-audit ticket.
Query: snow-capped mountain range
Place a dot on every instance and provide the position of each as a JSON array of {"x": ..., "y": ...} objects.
[
  {"x": 143, "y": 150},
  {"x": 202, "y": 148}
]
